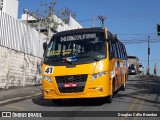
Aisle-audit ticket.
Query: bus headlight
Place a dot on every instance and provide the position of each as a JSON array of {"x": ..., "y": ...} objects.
[
  {"x": 47, "y": 78},
  {"x": 97, "y": 75}
]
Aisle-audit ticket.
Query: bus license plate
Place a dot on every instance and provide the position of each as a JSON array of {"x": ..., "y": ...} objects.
[{"x": 71, "y": 84}]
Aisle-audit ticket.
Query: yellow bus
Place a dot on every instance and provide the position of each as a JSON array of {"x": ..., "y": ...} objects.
[{"x": 83, "y": 63}]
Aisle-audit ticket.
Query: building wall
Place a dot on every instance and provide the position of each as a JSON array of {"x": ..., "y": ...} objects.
[
  {"x": 18, "y": 69},
  {"x": 10, "y": 7},
  {"x": 21, "y": 52}
]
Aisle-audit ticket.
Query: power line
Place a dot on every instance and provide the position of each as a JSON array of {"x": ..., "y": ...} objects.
[
  {"x": 140, "y": 41},
  {"x": 136, "y": 34},
  {"x": 150, "y": 60},
  {"x": 85, "y": 20}
]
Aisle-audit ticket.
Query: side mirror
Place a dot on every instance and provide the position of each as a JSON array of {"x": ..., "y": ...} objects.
[{"x": 44, "y": 46}]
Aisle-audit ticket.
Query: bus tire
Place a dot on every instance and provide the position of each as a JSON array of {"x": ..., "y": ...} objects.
[
  {"x": 56, "y": 101},
  {"x": 109, "y": 99},
  {"x": 123, "y": 87},
  {"x": 113, "y": 87}
]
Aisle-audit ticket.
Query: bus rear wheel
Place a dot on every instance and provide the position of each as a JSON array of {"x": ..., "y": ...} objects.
[{"x": 123, "y": 87}]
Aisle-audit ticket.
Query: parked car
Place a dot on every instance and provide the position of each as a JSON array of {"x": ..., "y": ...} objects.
[{"x": 132, "y": 71}]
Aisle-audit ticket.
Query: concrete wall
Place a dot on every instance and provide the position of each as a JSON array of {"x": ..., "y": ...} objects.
[{"x": 18, "y": 69}]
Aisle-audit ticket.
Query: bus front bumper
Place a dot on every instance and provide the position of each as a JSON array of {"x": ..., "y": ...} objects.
[
  {"x": 91, "y": 93},
  {"x": 92, "y": 89}
]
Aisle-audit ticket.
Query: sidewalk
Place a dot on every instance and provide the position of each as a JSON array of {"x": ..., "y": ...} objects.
[{"x": 19, "y": 93}]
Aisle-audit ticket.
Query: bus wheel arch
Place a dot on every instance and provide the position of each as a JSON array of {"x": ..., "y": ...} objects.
[{"x": 109, "y": 98}]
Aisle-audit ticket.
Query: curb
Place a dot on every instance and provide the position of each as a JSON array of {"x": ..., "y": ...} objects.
[{"x": 17, "y": 99}]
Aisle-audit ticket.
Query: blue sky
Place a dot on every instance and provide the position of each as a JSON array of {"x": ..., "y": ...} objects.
[{"x": 131, "y": 20}]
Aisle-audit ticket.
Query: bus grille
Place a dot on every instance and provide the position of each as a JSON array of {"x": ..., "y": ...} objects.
[
  {"x": 79, "y": 79},
  {"x": 71, "y": 90}
]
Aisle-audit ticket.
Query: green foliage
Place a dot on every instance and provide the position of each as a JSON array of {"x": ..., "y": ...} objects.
[
  {"x": 65, "y": 13},
  {"x": 46, "y": 14}
]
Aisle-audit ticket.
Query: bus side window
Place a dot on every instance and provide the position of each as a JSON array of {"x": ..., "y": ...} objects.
[
  {"x": 115, "y": 50},
  {"x": 125, "y": 53},
  {"x": 118, "y": 49},
  {"x": 111, "y": 52},
  {"x": 122, "y": 51}
]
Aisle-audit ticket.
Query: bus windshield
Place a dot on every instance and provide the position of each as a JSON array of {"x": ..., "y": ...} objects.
[{"x": 76, "y": 47}]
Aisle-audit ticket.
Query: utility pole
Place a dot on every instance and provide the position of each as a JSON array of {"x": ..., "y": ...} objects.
[
  {"x": 27, "y": 14},
  {"x": 148, "y": 70},
  {"x": 158, "y": 29}
]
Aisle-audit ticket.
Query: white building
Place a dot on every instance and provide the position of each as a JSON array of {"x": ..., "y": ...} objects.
[
  {"x": 73, "y": 23},
  {"x": 30, "y": 19},
  {"x": 10, "y": 7}
]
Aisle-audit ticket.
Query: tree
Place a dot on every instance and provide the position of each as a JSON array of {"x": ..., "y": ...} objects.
[
  {"x": 65, "y": 13},
  {"x": 46, "y": 14}
]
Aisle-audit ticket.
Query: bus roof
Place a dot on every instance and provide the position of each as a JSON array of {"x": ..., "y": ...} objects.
[{"x": 93, "y": 29}]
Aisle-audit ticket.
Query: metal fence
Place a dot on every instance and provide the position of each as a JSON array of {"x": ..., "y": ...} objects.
[{"x": 19, "y": 36}]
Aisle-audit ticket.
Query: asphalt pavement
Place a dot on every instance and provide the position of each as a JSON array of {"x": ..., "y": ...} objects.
[{"x": 15, "y": 94}]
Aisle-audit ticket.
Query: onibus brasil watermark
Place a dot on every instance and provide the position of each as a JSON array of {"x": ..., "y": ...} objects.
[
  {"x": 80, "y": 114},
  {"x": 21, "y": 114}
]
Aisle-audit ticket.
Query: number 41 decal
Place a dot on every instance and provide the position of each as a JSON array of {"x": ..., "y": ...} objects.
[{"x": 49, "y": 70}]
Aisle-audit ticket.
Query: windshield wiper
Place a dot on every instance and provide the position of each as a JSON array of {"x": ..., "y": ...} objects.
[
  {"x": 52, "y": 59},
  {"x": 89, "y": 57},
  {"x": 68, "y": 62}
]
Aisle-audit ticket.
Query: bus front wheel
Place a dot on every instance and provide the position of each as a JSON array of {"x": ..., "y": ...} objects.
[
  {"x": 109, "y": 99},
  {"x": 56, "y": 101}
]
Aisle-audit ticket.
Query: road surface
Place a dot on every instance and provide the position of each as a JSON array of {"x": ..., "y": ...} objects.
[{"x": 142, "y": 95}]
